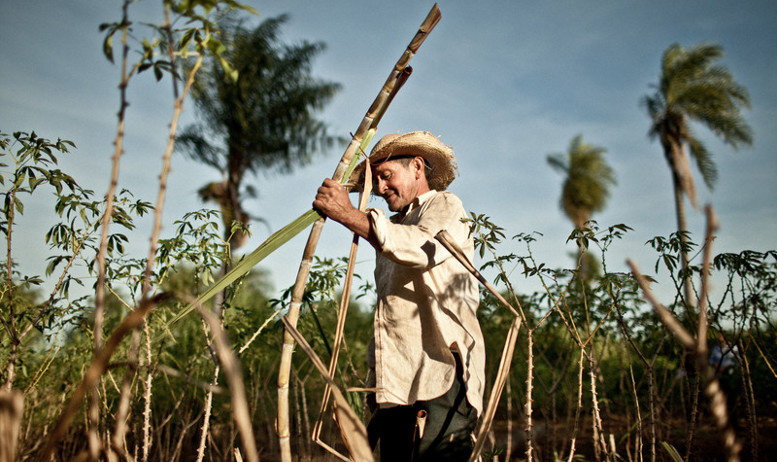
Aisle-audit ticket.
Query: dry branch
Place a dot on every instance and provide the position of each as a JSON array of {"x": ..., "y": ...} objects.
[
  {"x": 347, "y": 419},
  {"x": 96, "y": 368},
  {"x": 503, "y": 373},
  {"x": 234, "y": 375},
  {"x": 147, "y": 397},
  {"x": 698, "y": 347},
  {"x": 341, "y": 317},
  {"x": 99, "y": 308}
]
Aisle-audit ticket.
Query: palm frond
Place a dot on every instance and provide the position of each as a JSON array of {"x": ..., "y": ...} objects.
[
  {"x": 692, "y": 87},
  {"x": 193, "y": 143},
  {"x": 558, "y": 162},
  {"x": 588, "y": 179},
  {"x": 703, "y": 158}
]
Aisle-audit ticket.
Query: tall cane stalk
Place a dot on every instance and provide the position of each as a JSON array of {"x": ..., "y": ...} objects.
[
  {"x": 503, "y": 372},
  {"x": 698, "y": 346},
  {"x": 341, "y": 317},
  {"x": 360, "y": 140}
]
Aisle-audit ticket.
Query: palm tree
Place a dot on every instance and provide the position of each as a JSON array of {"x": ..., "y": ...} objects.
[
  {"x": 692, "y": 87},
  {"x": 586, "y": 187},
  {"x": 588, "y": 179},
  {"x": 263, "y": 121}
]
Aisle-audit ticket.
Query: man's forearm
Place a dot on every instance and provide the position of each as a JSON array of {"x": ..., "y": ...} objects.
[{"x": 358, "y": 222}]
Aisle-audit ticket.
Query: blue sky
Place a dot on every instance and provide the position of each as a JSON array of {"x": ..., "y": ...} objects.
[{"x": 504, "y": 82}]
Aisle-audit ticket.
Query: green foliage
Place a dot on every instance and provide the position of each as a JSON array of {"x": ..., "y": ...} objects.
[
  {"x": 626, "y": 347},
  {"x": 199, "y": 37},
  {"x": 32, "y": 162},
  {"x": 262, "y": 118},
  {"x": 606, "y": 314},
  {"x": 31, "y": 157},
  {"x": 591, "y": 324},
  {"x": 693, "y": 87}
]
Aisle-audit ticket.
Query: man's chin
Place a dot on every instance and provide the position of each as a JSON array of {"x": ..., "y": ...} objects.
[{"x": 392, "y": 205}]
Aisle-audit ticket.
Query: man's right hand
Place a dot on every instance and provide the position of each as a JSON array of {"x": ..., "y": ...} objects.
[{"x": 332, "y": 200}]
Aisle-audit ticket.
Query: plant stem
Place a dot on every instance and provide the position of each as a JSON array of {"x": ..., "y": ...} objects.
[
  {"x": 95, "y": 370},
  {"x": 99, "y": 307}
]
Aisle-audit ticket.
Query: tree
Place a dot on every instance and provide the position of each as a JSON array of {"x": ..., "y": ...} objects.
[
  {"x": 586, "y": 187},
  {"x": 692, "y": 88},
  {"x": 261, "y": 121}
]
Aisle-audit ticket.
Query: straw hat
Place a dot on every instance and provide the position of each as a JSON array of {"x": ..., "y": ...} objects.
[{"x": 439, "y": 157}]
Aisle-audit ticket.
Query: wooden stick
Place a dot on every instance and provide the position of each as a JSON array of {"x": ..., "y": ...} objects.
[
  {"x": 342, "y": 314},
  {"x": 346, "y": 418},
  {"x": 444, "y": 238},
  {"x": 503, "y": 373},
  {"x": 234, "y": 374},
  {"x": 698, "y": 347},
  {"x": 365, "y": 132}
]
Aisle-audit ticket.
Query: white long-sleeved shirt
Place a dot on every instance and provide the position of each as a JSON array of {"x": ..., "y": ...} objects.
[{"x": 426, "y": 307}]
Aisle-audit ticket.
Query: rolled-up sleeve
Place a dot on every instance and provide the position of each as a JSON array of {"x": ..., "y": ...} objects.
[{"x": 414, "y": 245}]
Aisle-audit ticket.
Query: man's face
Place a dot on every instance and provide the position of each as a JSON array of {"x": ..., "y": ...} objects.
[{"x": 398, "y": 184}]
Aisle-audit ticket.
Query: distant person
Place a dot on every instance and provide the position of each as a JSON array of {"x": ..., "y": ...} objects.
[{"x": 724, "y": 357}]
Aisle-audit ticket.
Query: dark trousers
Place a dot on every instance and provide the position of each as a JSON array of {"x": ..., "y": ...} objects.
[{"x": 446, "y": 435}]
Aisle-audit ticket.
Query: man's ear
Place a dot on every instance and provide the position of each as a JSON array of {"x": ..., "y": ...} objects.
[{"x": 418, "y": 166}]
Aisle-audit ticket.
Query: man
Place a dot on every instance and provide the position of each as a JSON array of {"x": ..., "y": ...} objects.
[{"x": 427, "y": 351}]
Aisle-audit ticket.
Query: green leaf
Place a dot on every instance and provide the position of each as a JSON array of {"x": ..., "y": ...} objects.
[
  {"x": 108, "y": 45},
  {"x": 148, "y": 47},
  {"x": 267, "y": 247},
  {"x": 271, "y": 244},
  {"x": 158, "y": 71},
  {"x": 673, "y": 454},
  {"x": 229, "y": 71}
]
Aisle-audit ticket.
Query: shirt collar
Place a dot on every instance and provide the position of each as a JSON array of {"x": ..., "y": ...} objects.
[{"x": 418, "y": 201}]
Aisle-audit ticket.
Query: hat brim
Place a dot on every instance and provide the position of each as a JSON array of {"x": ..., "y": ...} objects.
[{"x": 438, "y": 156}]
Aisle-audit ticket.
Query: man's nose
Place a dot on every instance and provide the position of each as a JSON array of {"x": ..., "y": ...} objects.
[{"x": 381, "y": 185}]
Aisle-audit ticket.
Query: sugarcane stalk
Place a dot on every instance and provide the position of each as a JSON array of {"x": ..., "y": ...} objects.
[
  {"x": 346, "y": 418},
  {"x": 341, "y": 317},
  {"x": 503, "y": 373},
  {"x": 366, "y": 130}
]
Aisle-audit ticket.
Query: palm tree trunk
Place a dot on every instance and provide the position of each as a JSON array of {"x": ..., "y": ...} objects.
[
  {"x": 673, "y": 151},
  {"x": 682, "y": 229}
]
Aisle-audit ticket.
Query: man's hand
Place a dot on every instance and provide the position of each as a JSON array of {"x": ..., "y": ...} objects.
[{"x": 332, "y": 200}]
